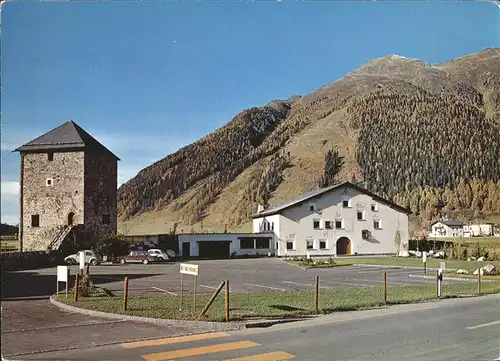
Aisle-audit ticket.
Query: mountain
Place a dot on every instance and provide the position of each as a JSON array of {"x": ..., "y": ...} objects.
[
  {"x": 411, "y": 131},
  {"x": 8, "y": 230}
]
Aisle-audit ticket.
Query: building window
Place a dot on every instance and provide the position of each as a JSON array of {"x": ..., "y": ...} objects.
[
  {"x": 377, "y": 224},
  {"x": 322, "y": 244},
  {"x": 50, "y": 156},
  {"x": 246, "y": 243},
  {"x": 374, "y": 207},
  {"x": 328, "y": 225},
  {"x": 272, "y": 226},
  {"x": 49, "y": 182},
  {"x": 346, "y": 203},
  {"x": 365, "y": 234},
  {"x": 312, "y": 207},
  {"x": 339, "y": 224},
  {"x": 262, "y": 243},
  {"x": 106, "y": 218},
  {"x": 361, "y": 215},
  {"x": 35, "y": 220},
  {"x": 290, "y": 245},
  {"x": 310, "y": 244},
  {"x": 316, "y": 224}
]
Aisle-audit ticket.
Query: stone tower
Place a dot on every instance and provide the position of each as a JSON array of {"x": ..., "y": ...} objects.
[{"x": 68, "y": 179}]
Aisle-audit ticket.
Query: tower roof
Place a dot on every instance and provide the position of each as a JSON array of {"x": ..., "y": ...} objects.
[{"x": 66, "y": 136}]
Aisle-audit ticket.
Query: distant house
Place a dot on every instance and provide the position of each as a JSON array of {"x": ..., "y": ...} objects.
[
  {"x": 479, "y": 230},
  {"x": 343, "y": 219},
  {"x": 447, "y": 229}
]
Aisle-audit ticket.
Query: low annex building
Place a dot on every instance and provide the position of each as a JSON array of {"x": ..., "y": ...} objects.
[
  {"x": 343, "y": 219},
  {"x": 68, "y": 179}
]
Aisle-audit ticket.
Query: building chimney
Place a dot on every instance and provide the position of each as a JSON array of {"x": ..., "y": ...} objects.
[{"x": 260, "y": 208}]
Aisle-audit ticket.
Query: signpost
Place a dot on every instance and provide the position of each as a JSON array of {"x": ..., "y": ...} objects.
[
  {"x": 81, "y": 255},
  {"x": 190, "y": 269},
  {"x": 424, "y": 259},
  {"x": 62, "y": 276},
  {"x": 440, "y": 272}
]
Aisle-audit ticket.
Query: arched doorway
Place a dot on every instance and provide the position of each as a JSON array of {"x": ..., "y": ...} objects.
[
  {"x": 343, "y": 246},
  {"x": 70, "y": 218}
]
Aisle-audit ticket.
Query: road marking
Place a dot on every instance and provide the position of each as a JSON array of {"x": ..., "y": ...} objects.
[
  {"x": 270, "y": 356},
  {"x": 350, "y": 283},
  {"x": 272, "y": 288},
  {"x": 483, "y": 325},
  {"x": 390, "y": 282},
  {"x": 304, "y": 284},
  {"x": 161, "y": 289},
  {"x": 197, "y": 351},
  {"x": 171, "y": 340},
  {"x": 212, "y": 288}
]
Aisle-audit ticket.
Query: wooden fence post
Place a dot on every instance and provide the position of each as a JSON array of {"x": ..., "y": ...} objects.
[
  {"x": 212, "y": 299},
  {"x": 76, "y": 286},
  {"x": 226, "y": 301},
  {"x": 125, "y": 294},
  {"x": 316, "y": 295},
  {"x": 385, "y": 288},
  {"x": 479, "y": 281}
]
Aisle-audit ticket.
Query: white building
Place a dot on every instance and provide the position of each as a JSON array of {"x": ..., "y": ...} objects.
[
  {"x": 224, "y": 245},
  {"x": 478, "y": 230},
  {"x": 447, "y": 229},
  {"x": 338, "y": 220}
]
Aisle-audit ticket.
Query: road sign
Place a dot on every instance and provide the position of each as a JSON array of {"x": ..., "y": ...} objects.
[
  {"x": 189, "y": 269},
  {"x": 442, "y": 266},
  {"x": 62, "y": 276},
  {"x": 82, "y": 259}
]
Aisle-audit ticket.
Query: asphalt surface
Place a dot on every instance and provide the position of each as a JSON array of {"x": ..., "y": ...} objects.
[
  {"x": 457, "y": 329},
  {"x": 245, "y": 275}
]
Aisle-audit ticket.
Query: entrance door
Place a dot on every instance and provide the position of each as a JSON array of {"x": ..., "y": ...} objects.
[
  {"x": 186, "y": 249},
  {"x": 214, "y": 249},
  {"x": 343, "y": 246}
]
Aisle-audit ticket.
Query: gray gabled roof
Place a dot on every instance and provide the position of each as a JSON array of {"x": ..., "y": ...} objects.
[
  {"x": 450, "y": 223},
  {"x": 66, "y": 136},
  {"x": 306, "y": 196}
]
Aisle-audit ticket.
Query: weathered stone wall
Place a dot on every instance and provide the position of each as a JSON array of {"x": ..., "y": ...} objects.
[
  {"x": 54, "y": 202},
  {"x": 100, "y": 193}
]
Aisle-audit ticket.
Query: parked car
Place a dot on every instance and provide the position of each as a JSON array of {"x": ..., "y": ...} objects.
[
  {"x": 138, "y": 257},
  {"x": 159, "y": 254},
  {"x": 91, "y": 257}
]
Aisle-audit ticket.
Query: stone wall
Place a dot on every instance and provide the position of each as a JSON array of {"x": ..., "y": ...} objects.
[
  {"x": 52, "y": 202},
  {"x": 100, "y": 193}
]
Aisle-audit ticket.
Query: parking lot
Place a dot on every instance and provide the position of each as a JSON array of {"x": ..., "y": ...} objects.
[{"x": 245, "y": 275}]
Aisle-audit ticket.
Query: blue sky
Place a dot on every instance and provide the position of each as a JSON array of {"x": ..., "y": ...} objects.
[{"x": 146, "y": 78}]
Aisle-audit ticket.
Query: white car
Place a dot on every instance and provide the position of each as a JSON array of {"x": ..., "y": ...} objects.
[
  {"x": 159, "y": 254},
  {"x": 91, "y": 257}
]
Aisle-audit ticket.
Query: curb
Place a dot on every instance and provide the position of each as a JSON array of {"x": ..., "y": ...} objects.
[
  {"x": 393, "y": 266},
  {"x": 269, "y": 323},
  {"x": 452, "y": 278},
  {"x": 205, "y": 326}
]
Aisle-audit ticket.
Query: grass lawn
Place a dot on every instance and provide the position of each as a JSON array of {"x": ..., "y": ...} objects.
[
  {"x": 275, "y": 304},
  {"x": 415, "y": 262}
]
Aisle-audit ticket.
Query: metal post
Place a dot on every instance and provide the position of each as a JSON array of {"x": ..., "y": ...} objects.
[
  {"x": 316, "y": 294},
  {"x": 226, "y": 301},
  {"x": 67, "y": 282},
  {"x": 76, "y": 287},
  {"x": 125, "y": 293},
  {"x": 385, "y": 288},
  {"x": 425, "y": 267},
  {"x": 437, "y": 283}
]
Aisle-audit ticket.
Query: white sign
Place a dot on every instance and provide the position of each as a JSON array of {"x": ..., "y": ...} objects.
[
  {"x": 424, "y": 257},
  {"x": 62, "y": 273},
  {"x": 189, "y": 269},
  {"x": 82, "y": 259},
  {"x": 442, "y": 266}
]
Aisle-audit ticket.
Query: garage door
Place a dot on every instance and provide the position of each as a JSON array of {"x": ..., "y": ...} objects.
[{"x": 214, "y": 249}]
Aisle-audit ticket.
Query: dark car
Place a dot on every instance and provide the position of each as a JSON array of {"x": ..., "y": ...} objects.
[{"x": 137, "y": 257}]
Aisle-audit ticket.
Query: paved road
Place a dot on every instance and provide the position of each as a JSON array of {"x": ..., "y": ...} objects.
[
  {"x": 458, "y": 329},
  {"x": 245, "y": 275}
]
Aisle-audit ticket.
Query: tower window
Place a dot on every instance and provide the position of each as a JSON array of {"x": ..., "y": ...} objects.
[
  {"x": 50, "y": 156},
  {"x": 106, "y": 219},
  {"x": 35, "y": 220},
  {"x": 49, "y": 182}
]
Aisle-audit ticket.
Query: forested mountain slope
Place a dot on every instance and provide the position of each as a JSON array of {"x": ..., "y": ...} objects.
[{"x": 414, "y": 132}]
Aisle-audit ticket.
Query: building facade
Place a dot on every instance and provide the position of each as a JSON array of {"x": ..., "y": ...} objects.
[
  {"x": 67, "y": 179},
  {"x": 479, "y": 230},
  {"x": 338, "y": 220},
  {"x": 447, "y": 229}
]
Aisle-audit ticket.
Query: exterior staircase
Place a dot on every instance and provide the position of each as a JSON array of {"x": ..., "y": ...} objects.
[{"x": 60, "y": 236}]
